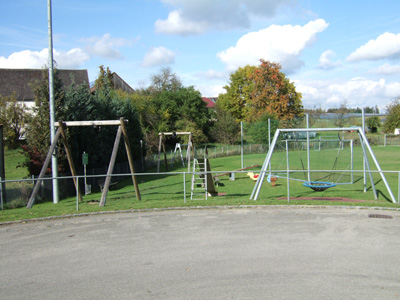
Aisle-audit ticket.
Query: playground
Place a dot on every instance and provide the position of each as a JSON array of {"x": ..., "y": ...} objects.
[{"x": 167, "y": 189}]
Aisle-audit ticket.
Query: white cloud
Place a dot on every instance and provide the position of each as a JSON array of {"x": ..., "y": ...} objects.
[
  {"x": 27, "y": 59},
  {"x": 357, "y": 92},
  {"x": 158, "y": 56},
  {"x": 386, "y": 46},
  {"x": 177, "y": 24},
  {"x": 196, "y": 17},
  {"x": 210, "y": 90},
  {"x": 282, "y": 44},
  {"x": 386, "y": 69},
  {"x": 106, "y": 46},
  {"x": 326, "y": 60}
]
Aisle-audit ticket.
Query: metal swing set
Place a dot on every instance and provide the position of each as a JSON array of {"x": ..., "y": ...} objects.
[{"x": 318, "y": 185}]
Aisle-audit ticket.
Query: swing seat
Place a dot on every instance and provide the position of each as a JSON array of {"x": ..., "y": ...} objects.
[{"x": 319, "y": 186}]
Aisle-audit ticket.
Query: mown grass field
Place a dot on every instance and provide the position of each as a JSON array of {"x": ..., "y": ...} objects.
[{"x": 167, "y": 190}]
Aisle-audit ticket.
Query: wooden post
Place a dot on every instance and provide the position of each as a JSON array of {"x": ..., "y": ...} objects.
[
  {"x": 130, "y": 159},
  {"x": 165, "y": 154},
  {"x": 189, "y": 150},
  {"x": 159, "y": 152},
  {"x": 43, "y": 171},
  {"x": 110, "y": 168},
  {"x": 69, "y": 157},
  {"x": 2, "y": 169}
]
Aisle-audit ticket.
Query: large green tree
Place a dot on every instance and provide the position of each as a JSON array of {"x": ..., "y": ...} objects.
[
  {"x": 106, "y": 104},
  {"x": 273, "y": 94},
  {"x": 255, "y": 91},
  {"x": 226, "y": 129},
  {"x": 181, "y": 110},
  {"x": 238, "y": 93},
  {"x": 393, "y": 119}
]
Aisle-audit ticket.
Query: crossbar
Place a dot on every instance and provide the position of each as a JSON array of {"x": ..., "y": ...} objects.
[
  {"x": 92, "y": 123},
  {"x": 173, "y": 133}
]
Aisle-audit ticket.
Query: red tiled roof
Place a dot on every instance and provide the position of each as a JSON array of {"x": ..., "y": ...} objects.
[{"x": 210, "y": 102}]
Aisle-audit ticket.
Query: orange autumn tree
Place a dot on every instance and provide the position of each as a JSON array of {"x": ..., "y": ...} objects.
[{"x": 273, "y": 94}]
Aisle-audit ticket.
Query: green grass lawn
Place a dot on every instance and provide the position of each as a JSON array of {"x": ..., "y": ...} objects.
[{"x": 167, "y": 190}]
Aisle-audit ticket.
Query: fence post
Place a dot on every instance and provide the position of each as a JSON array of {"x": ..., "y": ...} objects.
[
  {"x": 77, "y": 193},
  {"x": 184, "y": 187},
  {"x": 1, "y": 193}
]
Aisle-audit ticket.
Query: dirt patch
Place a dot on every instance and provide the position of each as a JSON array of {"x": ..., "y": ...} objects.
[{"x": 337, "y": 199}]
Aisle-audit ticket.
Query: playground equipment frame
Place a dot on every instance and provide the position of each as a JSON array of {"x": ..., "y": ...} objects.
[
  {"x": 62, "y": 132},
  {"x": 365, "y": 146},
  {"x": 162, "y": 144}
]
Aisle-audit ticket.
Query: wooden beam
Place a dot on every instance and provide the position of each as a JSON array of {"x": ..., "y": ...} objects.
[
  {"x": 110, "y": 167},
  {"x": 43, "y": 171},
  {"x": 172, "y": 133},
  {"x": 70, "y": 160},
  {"x": 130, "y": 158},
  {"x": 91, "y": 123}
]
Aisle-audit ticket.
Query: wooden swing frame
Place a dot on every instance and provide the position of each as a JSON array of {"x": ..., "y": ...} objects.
[
  {"x": 161, "y": 144},
  {"x": 62, "y": 132}
]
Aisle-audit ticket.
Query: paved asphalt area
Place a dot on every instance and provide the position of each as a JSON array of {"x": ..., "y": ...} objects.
[{"x": 220, "y": 253}]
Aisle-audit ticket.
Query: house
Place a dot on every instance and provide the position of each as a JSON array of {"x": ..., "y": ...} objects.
[
  {"x": 210, "y": 101},
  {"x": 118, "y": 83},
  {"x": 18, "y": 81}
]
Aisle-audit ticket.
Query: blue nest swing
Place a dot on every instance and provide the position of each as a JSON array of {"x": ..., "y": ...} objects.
[{"x": 319, "y": 186}]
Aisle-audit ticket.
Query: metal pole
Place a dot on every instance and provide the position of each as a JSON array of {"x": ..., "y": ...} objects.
[
  {"x": 77, "y": 193},
  {"x": 369, "y": 169},
  {"x": 379, "y": 168},
  {"x": 308, "y": 151},
  {"x": 241, "y": 134},
  {"x": 352, "y": 161},
  {"x": 269, "y": 141},
  {"x": 184, "y": 187},
  {"x": 54, "y": 162},
  {"x": 287, "y": 171},
  {"x": 364, "y": 158},
  {"x": 260, "y": 179},
  {"x": 1, "y": 194}
]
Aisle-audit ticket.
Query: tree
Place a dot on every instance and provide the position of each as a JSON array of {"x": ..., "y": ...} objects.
[
  {"x": 373, "y": 124},
  {"x": 106, "y": 104},
  {"x": 393, "y": 119},
  {"x": 38, "y": 126},
  {"x": 314, "y": 114},
  {"x": 341, "y": 112},
  {"x": 13, "y": 116},
  {"x": 238, "y": 93},
  {"x": 273, "y": 94},
  {"x": 165, "y": 81},
  {"x": 226, "y": 128},
  {"x": 104, "y": 81},
  {"x": 259, "y": 130},
  {"x": 182, "y": 110}
]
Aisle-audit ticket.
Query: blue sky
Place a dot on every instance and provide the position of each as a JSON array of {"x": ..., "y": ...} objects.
[{"x": 334, "y": 51}]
